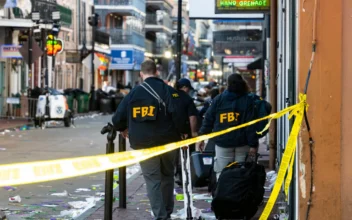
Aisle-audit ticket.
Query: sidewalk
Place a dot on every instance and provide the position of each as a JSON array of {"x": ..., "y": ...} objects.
[
  {"x": 13, "y": 123},
  {"x": 138, "y": 206}
]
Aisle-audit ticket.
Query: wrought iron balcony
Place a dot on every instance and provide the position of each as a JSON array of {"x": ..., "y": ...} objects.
[
  {"x": 122, "y": 36},
  {"x": 160, "y": 19},
  {"x": 139, "y": 4},
  {"x": 156, "y": 48},
  {"x": 149, "y": 46}
]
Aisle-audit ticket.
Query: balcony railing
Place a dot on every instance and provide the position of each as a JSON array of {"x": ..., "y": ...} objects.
[
  {"x": 121, "y": 36},
  {"x": 203, "y": 36},
  {"x": 139, "y": 4},
  {"x": 170, "y": 2},
  {"x": 158, "y": 19},
  {"x": 149, "y": 46},
  {"x": 157, "y": 48}
]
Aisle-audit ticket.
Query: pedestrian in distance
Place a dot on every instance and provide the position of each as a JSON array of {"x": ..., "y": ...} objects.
[
  {"x": 148, "y": 116},
  {"x": 213, "y": 93},
  {"x": 231, "y": 108}
]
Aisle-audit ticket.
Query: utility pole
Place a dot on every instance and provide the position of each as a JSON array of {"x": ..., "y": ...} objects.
[
  {"x": 92, "y": 54},
  {"x": 179, "y": 41},
  {"x": 30, "y": 55},
  {"x": 273, "y": 83},
  {"x": 93, "y": 21},
  {"x": 44, "y": 58}
]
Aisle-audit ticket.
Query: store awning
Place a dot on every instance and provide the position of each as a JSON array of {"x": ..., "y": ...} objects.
[{"x": 256, "y": 64}]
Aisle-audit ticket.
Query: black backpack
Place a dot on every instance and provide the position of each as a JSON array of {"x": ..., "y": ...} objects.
[
  {"x": 239, "y": 191},
  {"x": 262, "y": 109}
]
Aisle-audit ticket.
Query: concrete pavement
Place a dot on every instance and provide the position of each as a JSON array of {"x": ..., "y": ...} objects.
[
  {"x": 72, "y": 198},
  {"x": 138, "y": 206},
  {"x": 57, "y": 199}
]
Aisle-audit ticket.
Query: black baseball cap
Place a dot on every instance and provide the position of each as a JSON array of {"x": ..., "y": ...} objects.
[{"x": 185, "y": 82}]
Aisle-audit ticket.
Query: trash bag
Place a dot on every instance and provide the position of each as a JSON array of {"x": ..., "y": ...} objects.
[
  {"x": 116, "y": 100},
  {"x": 105, "y": 105}
]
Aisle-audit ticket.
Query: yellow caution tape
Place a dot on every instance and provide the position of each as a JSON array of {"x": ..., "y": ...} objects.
[
  {"x": 41, "y": 171},
  {"x": 287, "y": 157},
  {"x": 289, "y": 174}
]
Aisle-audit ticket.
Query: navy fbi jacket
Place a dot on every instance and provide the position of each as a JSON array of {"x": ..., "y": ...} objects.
[
  {"x": 187, "y": 108},
  {"x": 228, "y": 110},
  {"x": 149, "y": 122}
]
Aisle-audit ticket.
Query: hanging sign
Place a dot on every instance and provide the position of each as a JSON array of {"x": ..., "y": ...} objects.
[
  {"x": 10, "y": 51},
  {"x": 233, "y": 6}
]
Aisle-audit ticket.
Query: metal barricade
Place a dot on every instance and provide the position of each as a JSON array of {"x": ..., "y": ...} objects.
[
  {"x": 18, "y": 108},
  {"x": 109, "y": 174}
]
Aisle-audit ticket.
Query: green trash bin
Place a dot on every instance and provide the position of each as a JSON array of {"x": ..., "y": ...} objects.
[
  {"x": 70, "y": 99},
  {"x": 86, "y": 103},
  {"x": 82, "y": 103}
]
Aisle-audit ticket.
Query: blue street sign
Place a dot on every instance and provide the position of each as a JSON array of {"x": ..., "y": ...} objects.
[{"x": 129, "y": 59}]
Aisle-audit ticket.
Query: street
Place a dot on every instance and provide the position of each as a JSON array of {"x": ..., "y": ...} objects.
[{"x": 63, "y": 199}]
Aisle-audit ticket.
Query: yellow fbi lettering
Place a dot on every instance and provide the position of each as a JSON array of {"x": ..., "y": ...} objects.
[
  {"x": 229, "y": 117},
  {"x": 143, "y": 111}
]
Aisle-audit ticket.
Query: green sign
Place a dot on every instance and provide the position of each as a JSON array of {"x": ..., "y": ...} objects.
[{"x": 233, "y": 6}]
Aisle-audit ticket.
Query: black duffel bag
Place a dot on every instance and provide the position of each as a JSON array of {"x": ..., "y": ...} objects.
[{"x": 239, "y": 191}]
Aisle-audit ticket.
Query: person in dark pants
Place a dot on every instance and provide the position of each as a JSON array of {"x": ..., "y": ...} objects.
[
  {"x": 148, "y": 117},
  {"x": 188, "y": 109}
]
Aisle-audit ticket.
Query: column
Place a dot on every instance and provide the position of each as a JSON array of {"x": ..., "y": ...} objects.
[
  {"x": 325, "y": 105},
  {"x": 346, "y": 120},
  {"x": 128, "y": 77},
  {"x": 39, "y": 73}
]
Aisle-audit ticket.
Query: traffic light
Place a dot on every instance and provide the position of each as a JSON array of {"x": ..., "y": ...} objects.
[
  {"x": 56, "y": 29},
  {"x": 53, "y": 45},
  {"x": 93, "y": 20}
]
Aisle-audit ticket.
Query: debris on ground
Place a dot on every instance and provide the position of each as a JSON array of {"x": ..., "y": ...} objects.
[{"x": 15, "y": 199}]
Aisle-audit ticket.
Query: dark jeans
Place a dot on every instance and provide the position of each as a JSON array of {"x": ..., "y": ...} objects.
[{"x": 158, "y": 175}]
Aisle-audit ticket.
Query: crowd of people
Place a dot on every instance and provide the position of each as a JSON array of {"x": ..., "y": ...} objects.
[{"x": 154, "y": 114}]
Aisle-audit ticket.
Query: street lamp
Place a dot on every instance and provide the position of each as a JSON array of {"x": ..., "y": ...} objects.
[
  {"x": 39, "y": 35},
  {"x": 55, "y": 15},
  {"x": 35, "y": 16},
  {"x": 167, "y": 54},
  {"x": 178, "y": 40}
]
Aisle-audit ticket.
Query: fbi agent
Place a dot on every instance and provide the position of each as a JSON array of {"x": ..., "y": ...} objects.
[
  {"x": 231, "y": 108},
  {"x": 149, "y": 113},
  {"x": 188, "y": 109}
]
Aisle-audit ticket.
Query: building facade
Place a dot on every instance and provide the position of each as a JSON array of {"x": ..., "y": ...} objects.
[
  {"x": 158, "y": 32},
  {"x": 124, "y": 21}
]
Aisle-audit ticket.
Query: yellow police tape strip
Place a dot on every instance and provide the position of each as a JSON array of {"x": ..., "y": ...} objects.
[
  {"x": 34, "y": 172},
  {"x": 287, "y": 159},
  {"x": 289, "y": 174}
]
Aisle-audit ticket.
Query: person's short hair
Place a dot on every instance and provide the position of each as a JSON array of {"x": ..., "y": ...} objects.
[
  {"x": 214, "y": 92},
  {"x": 148, "y": 67},
  {"x": 222, "y": 89},
  {"x": 207, "y": 87},
  {"x": 237, "y": 84}
]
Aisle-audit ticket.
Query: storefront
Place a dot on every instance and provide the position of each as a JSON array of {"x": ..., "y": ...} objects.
[
  {"x": 125, "y": 66},
  {"x": 102, "y": 71}
]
